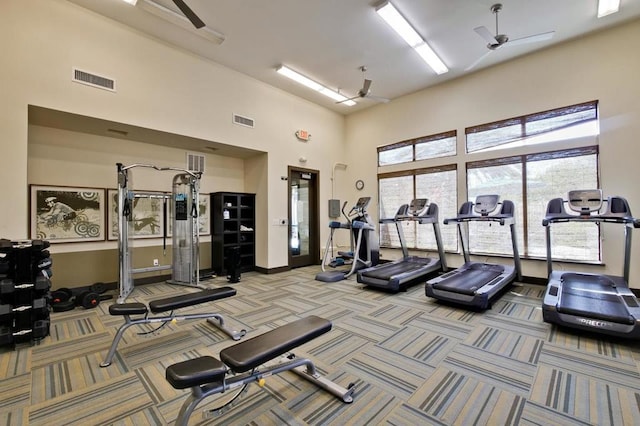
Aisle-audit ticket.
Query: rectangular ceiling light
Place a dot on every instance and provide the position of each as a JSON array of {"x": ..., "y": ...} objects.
[
  {"x": 396, "y": 21},
  {"x": 305, "y": 81},
  {"x": 133, "y": 2},
  {"x": 607, "y": 7}
]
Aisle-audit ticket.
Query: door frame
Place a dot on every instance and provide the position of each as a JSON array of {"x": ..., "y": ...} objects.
[{"x": 314, "y": 216}]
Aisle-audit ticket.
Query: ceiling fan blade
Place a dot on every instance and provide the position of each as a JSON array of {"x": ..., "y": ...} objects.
[
  {"x": 531, "y": 39},
  {"x": 486, "y": 35},
  {"x": 349, "y": 99},
  {"x": 365, "y": 87},
  {"x": 378, "y": 98},
  {"x": 477, "y": 61},
  {"x": 191, "y": 16}
]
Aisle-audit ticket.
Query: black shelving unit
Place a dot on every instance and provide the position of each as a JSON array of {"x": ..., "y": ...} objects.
[
  {"x": 233, "y": 217},
  {"x": 25, "y": 269}
]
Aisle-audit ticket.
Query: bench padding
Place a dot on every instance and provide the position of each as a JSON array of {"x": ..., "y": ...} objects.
[
  {"x": 195, "y": 372},
  {"x": 258, "y": 350},
  {"x": 190, "y": 299},
  {"x": 128, "y": 309}
]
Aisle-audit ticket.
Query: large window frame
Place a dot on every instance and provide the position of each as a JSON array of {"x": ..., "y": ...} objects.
[
  {"x": 525, "y": 204},
  {"x": 411, "y": 150},
  {"x": 419, "y": 237}
]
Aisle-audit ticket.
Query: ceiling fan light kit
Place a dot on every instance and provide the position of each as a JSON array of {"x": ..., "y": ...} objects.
[
  {"x": 400, "y": 25},
  {"x": 306, "y": 81}
]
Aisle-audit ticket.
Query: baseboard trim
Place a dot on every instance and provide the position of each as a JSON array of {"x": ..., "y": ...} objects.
[{"x": 272, "y": 270}]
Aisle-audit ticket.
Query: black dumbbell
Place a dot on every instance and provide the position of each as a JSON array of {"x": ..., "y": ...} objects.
[{"x": 88, "y": 299}]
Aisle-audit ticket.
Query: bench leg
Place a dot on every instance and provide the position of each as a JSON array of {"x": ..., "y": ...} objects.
[
  {"x": 218, "y": 321},
  {"x": 116, "y": 340},
  {"x": 308, "y": 372}
]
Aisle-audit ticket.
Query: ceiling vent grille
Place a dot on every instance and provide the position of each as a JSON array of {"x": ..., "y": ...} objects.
[
  {"x": 93, "y": 80},
  {"x": 243, "y": 121},
  {"x": 195, "y": 162}
]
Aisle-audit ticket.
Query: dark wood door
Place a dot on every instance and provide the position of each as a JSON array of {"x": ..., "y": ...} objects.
[{"x": 304, "y": 229}]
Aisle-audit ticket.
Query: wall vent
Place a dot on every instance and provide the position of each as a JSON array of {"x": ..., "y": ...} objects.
[
  {"x": 195, "y": 162},
  {"x": 243, "y": 121},
  {"x": 93, "y": 80}
]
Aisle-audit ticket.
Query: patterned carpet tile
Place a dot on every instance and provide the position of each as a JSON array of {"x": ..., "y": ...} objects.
[
  {"x": 297, "y": 304},
  {"x": 508, "y": 344},
  {"x": 356, "y": 303},
  {"x": 443, "y": 326},
  {"x": 158, "y": 348},
  {"x": 74, "y": 348},
  {"x": 104, "y": 403},
  {"x": 15, "y": 362},
  {"x": 496, "y": 370},
  {"x": 368, "y": 328},
  {"x": 585, "y": 398},
  {"x": 458, "y": 399},
  {"x": 429, "y": 348},
  {"x": 16, "y": 393},
  {"x": 75, "y": 374},
  {"x": 406, "y": 414},
  {"x": 395, "y": 373},
  {"x": 336, "y": 347},
  {"x": 79, "y": 323},
  {"x": 269, "y": 315},
  {"x": 618, "y": 371},
  {"x": 538, "y": 330},
  {"x": 536, "y": 415},
  {"x": 592, "y": 343},
  {"x": 395, "y": 314}
]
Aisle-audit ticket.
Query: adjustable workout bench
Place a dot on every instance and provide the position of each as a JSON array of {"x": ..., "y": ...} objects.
[
  {"x": 169, "y": 304},
  {"x": 206, "y": 375}
]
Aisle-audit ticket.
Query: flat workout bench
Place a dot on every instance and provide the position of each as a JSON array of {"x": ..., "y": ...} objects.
[
  {"x": 206, "y": 375},
  {"x": 169, "y": 304}
]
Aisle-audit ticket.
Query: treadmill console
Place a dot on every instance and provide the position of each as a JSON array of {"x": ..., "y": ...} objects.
[
  {"x": 418, "y": 206},
  {"x": 585, "y": 201},
  {"x": 486, "y": 204}
]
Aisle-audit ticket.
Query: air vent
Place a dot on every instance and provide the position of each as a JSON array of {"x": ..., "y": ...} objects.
[
  {"x": 195, "y": 162},
  {"x": 93, "y": 80},
  {"x": 243, "y": 121}
]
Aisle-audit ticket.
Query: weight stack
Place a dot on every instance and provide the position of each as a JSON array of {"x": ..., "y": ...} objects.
[{"x": 25, "y": 283}]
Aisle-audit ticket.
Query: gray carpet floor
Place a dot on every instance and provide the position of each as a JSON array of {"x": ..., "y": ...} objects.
[{"x": 413, "y": 361}]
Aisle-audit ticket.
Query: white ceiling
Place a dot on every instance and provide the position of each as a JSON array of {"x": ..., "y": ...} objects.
[{"x": 328, "y": 40}]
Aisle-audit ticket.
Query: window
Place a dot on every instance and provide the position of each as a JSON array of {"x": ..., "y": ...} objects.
[
  {"x": 423, "y": 148},
  {"x": 556, "y": 124},
  {"x": 530, "y": 181},
  {"x": 438, "y": 185}
]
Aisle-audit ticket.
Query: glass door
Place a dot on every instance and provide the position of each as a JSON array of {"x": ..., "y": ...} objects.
[{"x": 303, "y": 217}]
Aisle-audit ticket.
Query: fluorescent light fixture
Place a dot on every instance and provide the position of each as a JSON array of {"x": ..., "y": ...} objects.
[
  {"x": 607, "y": 7},
  {"x": 396, "y": 21},
  {"x": 305, "y": 81},
  {"x": 133, "y": 2}
]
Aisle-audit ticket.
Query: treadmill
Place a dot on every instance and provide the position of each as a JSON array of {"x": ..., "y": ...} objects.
[
  {"x": 587, "y": 301},
  {"x": 409, "y": 270},
  {"x": 475, "y": 284}
]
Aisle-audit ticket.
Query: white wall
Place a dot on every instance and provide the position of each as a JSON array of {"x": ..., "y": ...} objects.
[
  {"x": 603, "y": 66},
  {"x": 158, "y": 87}
]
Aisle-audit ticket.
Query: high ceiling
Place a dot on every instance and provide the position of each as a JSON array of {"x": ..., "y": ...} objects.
[{"x": 328, "y": 40}]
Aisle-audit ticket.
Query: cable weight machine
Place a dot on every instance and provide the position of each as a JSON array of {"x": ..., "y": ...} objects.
[{"x": 183, "y": 202}]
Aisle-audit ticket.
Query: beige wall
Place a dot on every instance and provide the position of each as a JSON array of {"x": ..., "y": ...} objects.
[
  {"x": 602, "y": 66},
  {"x": 163, "y": 88},
  {"x": 158, "y": 87}
]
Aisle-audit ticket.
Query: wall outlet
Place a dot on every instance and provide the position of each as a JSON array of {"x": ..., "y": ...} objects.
[{"x": 156, "y": 262}]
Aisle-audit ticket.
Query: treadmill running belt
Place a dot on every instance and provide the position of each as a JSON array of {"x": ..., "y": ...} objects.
[
  {"x": 593, "y": 297},
  {"x": 468, "y": 281},
  {"x": 389, "y": 270}
]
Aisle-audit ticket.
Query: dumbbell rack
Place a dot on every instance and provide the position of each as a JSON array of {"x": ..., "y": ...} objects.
[{"x": 25, "y": 272}]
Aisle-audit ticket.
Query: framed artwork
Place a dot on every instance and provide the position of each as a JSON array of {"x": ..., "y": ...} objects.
[
  {"x": 203, "y": 215},
  {"x": 63, "y": 214},
  {"x": 147, "y": 215},
  {"x": 204, "y": 227}
]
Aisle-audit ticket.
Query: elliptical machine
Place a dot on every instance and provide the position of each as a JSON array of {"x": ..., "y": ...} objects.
[{"x": 365, "y": 250}]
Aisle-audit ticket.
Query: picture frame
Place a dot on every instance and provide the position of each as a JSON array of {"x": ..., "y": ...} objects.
[
  {"x": 63, "y": 214},
  {"x": 147, "y": 215},
  {"x": 204, "y": 214}
]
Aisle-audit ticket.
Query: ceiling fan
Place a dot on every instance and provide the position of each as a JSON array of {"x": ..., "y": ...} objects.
[
  {"x": 365, "y": 91},
  {"x": 191, "y": 16},
  {"x": 499, "y": 40}
]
